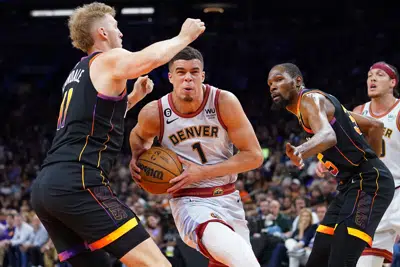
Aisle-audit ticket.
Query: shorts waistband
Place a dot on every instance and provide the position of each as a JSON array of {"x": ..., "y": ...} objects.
[{"x": 215, "y": 191}]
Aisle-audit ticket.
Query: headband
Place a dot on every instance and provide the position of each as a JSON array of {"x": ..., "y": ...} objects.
[{"x": 386, "y": 68}]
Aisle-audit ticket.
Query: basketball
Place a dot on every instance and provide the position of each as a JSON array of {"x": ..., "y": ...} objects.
[{"x": 158, "y": 166}]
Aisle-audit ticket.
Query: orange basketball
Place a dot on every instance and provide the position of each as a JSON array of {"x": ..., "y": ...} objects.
[{"x": 158, "y": 166}]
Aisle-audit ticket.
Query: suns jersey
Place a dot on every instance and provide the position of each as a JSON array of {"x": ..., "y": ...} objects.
[
  {"x": 90, "y": 126},
  {"x": 345, "y": 158},
  {"x": 200, "y": 137},
  {"x": 391, "y": 137}
]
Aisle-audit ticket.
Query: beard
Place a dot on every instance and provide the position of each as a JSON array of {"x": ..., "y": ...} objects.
[
  {"x": 281, "y": 104},
  {"x": 187, "y": 98}
]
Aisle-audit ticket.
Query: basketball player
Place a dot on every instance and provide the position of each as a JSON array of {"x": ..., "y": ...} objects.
[
  {"x": 382, "y": 84},
  {"x": 71, "y": 195},
  {"x": 365, "y": 184},
  {"x": 201, "y": 124}
]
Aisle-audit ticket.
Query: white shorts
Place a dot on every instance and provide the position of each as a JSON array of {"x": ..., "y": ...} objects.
[
  {"x": 190, "y": 212},
  {"x": 387, "y": 231}
]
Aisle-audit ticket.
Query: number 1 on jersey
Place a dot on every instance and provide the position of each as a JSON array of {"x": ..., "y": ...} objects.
[
  {"x": 383, "y": 149},
  {"x": 64, "y": 108},
  {"x": 199, "y": 149}
]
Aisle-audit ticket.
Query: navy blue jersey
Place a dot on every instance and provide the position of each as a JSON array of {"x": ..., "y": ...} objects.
[
  {"x": 343, "y": 159},
  {"x": 90, "y": 126}
]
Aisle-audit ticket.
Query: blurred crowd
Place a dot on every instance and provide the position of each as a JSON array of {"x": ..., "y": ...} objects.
[
  {"x": 275, "y": 196},
  {"x": 283, "y": 204}
]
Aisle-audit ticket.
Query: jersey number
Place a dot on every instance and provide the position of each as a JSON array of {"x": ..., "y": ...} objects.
[
  {"x": 356, "y": 128},
  {"x": 383, "y": 149},
  {"x": 199, "y": 150},
  {"x": 329, "y": 165},
  {"x": 64, "y": 108}
]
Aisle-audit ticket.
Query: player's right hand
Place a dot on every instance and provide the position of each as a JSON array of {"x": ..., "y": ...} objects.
[
  {"x": 295, "y": 156},
  {"x": 192, "y": 28},
  {"x": 135, "y": 170},
  {"x": 321, "y": 169}
]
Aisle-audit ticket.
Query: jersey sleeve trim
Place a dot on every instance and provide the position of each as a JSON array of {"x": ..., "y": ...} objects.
[
  {"x": 216, "y": 99},
  {"x": 161, "y": 116},
  {"x": 362, "y": 108}
]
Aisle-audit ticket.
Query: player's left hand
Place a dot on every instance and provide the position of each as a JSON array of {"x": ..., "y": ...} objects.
[
  {"x": 193, "y": 173},
  {"x": 295, "y": 156},
  {"x": 142, "y": 87}
]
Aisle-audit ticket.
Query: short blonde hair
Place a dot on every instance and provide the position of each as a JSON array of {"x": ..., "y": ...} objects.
[{"x": 81, "y": 20}]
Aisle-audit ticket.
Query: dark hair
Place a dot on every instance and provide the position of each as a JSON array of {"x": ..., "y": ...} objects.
[
  {"x": 292, "y": 70},
  {"x": 188, "y": 53},
  {"x": 396, "y": 72}
]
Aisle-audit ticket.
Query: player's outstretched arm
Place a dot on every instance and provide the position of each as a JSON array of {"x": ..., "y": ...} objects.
[
  {"x": 315, "y": 114},
  {"x": 242, "y": 135},
  {"x": 142, "y": 135},
  {"x": 372, "y": 129},
  {"x": 123, "y": 64}
]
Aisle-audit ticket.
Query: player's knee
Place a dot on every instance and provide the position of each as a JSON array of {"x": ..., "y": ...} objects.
[{"x": 227, "y": 247}]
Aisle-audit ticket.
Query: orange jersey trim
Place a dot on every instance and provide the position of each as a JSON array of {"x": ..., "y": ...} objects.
[
  {"x": 326, "y": 229},
  {"x": 108, "y": 239},
  {"x": 360, "y": 234}
]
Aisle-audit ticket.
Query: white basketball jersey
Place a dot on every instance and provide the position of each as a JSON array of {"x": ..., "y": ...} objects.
[
  {"x": 200, "y": 137},
  {"x": 391, "y": 137}
]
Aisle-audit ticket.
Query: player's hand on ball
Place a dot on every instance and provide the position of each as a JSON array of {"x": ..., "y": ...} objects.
[
  {"x": 321, "y": 169},
  {"x": 135, "y": 170},
  {"x": 295, "y": 156},
  {"x": 193, "y": 173}
]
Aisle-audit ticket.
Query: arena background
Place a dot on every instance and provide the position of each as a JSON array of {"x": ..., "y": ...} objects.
[{"x": 333, "y": 42}]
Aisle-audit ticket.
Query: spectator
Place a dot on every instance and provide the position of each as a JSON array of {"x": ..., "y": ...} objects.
[
  {"x": 23, "y": 231},
  {"x": 296, "y": 246},
  {"x": 154, "y": 229},
  {"x": 275, "y": 221},
  {"x": 300, "y": 204},
  {"x": 7, "y": 234},
  {"x": 37, "y": 239}
]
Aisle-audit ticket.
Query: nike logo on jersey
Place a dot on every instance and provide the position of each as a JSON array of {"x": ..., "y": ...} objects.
[{"x": 171, "y": 121}]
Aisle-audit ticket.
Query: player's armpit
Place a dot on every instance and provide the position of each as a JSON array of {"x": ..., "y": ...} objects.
[
  {"x": 147, "y": 127},
  {"x": 372, "y": 129},
  {"x": 316, "y": 111},
  {"x": 242, "y": 135}
]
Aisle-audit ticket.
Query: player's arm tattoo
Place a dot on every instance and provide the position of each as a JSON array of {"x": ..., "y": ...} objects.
[{"x": 315, "y": 116}]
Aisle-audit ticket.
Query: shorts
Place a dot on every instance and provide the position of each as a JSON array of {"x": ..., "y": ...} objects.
[
  {"x": 387, "y": 231},
  {"x": 80, "y": 218},
  {"x": 190, "y": 212},
  {"x": 361, "y": 203}
]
